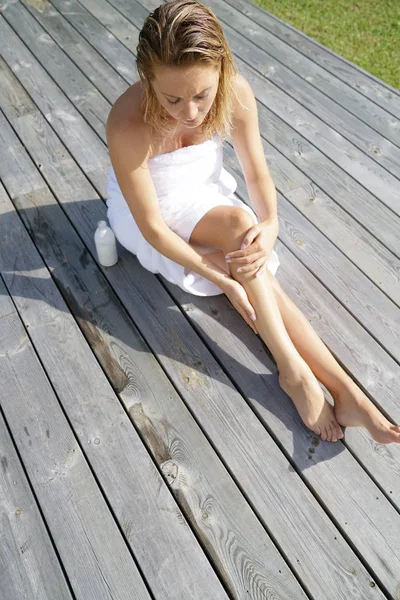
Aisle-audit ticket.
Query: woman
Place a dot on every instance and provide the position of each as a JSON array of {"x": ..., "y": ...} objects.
[{"x": 172, "y": 204}]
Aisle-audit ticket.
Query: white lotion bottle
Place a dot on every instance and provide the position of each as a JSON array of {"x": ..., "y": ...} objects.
[{"x": 106, "y": 246}]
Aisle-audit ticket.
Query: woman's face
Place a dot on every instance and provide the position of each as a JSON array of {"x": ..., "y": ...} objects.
[{"x": 186, "y": 93}]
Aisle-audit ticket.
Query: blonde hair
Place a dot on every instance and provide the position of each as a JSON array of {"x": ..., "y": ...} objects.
[{"x": 186, "y": 33}]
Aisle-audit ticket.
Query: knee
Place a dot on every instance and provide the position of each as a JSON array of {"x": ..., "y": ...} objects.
[{"x": 240, "y": 220}]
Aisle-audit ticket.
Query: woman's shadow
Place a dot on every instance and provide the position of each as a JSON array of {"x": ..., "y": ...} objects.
[{"x": 128, "y": 308}]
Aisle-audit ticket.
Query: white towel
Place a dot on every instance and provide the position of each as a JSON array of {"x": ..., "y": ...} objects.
[{"x": 188, "y": 183}]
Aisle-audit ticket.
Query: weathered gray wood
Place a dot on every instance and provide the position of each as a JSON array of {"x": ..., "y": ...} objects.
[
  {"x": 112, "y": 20},
  {"x": 394, "y": 320},
  {"x": 236, "y": 434},
  {"x": 347, "y": 193},
  {"x": 362, "y": 511},
  {"x": 233, "y": 428},
  {"x": 243, "y": 553},
  {"x": 341, "y": 152},
  {"x": 255, "y": 545},
  {"x": 84, "y": 223},
  {"x": 256, "y": 550},
  {"x": 365, "y": 83},
  {"x": 89, "y": 543},
  {"x": 85, "y": 96},
  {"x": 163, "y": 544},
  {"x": 85, "y": 145},
  {"x": 126, "y": 361},
  {"x": 207, "y": 395},
  {"x": 348, "y": 112},
  {"x": 55, "y": 178},
  {"x": 102, "y": 76},
  {"x": 355, "y": 282},
  {"x": 105, "y": 42},
  {"x": 29, "y": 567}
]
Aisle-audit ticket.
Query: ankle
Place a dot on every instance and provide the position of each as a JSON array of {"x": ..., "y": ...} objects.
[
  {"x": 340, "y": 389},
  {"x": 294, "y": 372}
]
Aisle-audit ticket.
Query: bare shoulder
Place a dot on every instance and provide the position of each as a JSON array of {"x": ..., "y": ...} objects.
[
  {"x": 244, "y": 102},
  {"x": 127, "y": 133}
]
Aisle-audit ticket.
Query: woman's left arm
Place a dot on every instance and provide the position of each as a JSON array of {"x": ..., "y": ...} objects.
[{"x": 260, "y": 239}]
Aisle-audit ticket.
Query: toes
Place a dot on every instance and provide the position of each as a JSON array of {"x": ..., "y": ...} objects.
[
  {"x": 396, "y": 436},
  {"x": 324, "y": 434},
  {"x": 337, "y": 432},
  {"x": 332, "y": 433}
]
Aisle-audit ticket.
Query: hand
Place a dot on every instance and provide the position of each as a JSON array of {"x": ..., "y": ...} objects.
[
  {"x": 256, "y": 248},
  {"x": 237, "y": 296}
]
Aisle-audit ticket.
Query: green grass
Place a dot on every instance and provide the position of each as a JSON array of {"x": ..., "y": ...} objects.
[{"x": 366, "y": 32}]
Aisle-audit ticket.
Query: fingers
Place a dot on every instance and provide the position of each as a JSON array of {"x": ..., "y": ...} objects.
[
  {"x": 246, "y": 314},
  {"x": 245, "y": 256},
  {"x": 255, "y": 266},
  {"x": 249, "y": 316},
  {"x": 247, "y": 259},
  {"x": 249, "y": 237}
]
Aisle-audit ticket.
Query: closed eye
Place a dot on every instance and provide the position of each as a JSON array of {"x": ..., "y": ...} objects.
[{"x": 176, "y": 101}]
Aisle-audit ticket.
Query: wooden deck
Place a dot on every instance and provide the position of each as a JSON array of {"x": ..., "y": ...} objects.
[{"x": 147, "y": 450}]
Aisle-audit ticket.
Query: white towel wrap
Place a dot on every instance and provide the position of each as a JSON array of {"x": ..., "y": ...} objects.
[{"x": 189, "y": 182}]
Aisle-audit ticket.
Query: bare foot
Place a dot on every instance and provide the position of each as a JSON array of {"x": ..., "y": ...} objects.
[
  {"x": 353, "y": 409},
  {"x": 308, "y": 397}
]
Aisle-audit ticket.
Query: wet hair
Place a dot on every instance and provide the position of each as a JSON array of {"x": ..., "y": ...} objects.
[{"x": 186, "y": 33}]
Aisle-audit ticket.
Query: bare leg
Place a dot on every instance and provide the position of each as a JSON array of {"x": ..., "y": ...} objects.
[
  {"x": 352, "y": 407},
  {"x": 295, "y": 376}
]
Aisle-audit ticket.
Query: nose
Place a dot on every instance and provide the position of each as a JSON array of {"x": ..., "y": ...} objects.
[{"x": 189, "y": 113}]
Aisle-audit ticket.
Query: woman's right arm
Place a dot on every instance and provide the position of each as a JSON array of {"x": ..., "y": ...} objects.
[{"x": 129, "y": 146}]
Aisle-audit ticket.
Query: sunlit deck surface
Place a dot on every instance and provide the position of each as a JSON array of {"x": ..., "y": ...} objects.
[{"x": 147, "y": 450}]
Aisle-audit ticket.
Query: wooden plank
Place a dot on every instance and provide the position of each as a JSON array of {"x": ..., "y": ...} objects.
[
  {"x": 336, "y": 182},
  {"x": 341, "y": 152},
  {"x": 390, "y": 326},
  {"x": 236, "y": 433},
  {"x": 85, "y": 96},
  {"x": 76, "y": 52},
  {"x": 104, "y": 42},
  {"x": 156, "y": 531},
  {"x": 319, "y": 92},
  {"x": 359, "y": 120},
  {"x": 29, "y": 564},
  {"x": 256, "y": 546},
  {"x": 85, "y": 146},
  {"x": 194, "y": 458},
  {"x": 390, "y": 322},
  {"x": 114, "y": 21},
  {"x": 365, "y": 83},
  {"x": 90, "y": 545}
]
